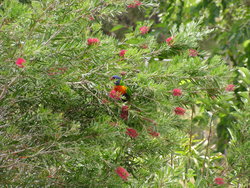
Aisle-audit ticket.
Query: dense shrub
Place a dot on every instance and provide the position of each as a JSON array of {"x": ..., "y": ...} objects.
[{"x": 65, "y": 124}]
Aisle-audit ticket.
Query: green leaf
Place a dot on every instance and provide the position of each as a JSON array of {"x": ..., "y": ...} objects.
[
  {"x": 117, "y": 27},
  {"x": 245, "y": 73}
]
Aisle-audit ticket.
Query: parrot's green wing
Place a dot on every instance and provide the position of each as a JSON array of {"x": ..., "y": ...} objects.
[{"x": 128, "y": 92}]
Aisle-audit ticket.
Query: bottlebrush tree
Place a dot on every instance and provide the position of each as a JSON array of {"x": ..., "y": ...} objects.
[{"x": 65, "y": 123}]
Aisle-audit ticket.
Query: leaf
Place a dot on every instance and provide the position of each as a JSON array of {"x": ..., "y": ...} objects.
[
  {"x": 117, "y": 27},
  {"x": 133, "y": 41},
  {"x": 245, "y": 73},
  {"x": 233, "y": 137}
]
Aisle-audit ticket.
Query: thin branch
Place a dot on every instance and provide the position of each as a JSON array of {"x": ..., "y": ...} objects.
[
  {"x": 5, "y": 88},
  {"x": 208, "y": 142},
  {"x": 2, "y": 126},
  {"x": 191, "y": 135},
  {"x": 99, "y": 99}
]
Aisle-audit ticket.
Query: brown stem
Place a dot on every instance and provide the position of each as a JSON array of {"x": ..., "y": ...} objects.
[
  {"x": 187, "y": 166},
  {"x": 5, "y": 88},
  {"x": 190, "y": 136},
  {"x": 208, "y": 142}
]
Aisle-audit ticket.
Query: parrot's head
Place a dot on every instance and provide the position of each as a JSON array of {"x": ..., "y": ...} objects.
[{"x": 118, "y": 79}]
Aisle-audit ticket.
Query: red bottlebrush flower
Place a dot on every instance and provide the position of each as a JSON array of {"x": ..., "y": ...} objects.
[
  {"x": 193, "y": 52},
  {"x": 92, "y": 41},
  {"x": 55, "y": 71},
  {"x": 219, "y": 181},
  {"x": 23, "y": 157},
  {"x": 135, "y": 4},
  {"x": 213, "y": 97},
  {"x": 105, "y": 101},
  {"x": 52, "y": 73},
  {"x": 115, "y": 95},
  {"x": 124, "y": 108},
  {"x": 177, "y": 92},
  {"x": 132, "y": 133},
  {"x": 169, "y": 41},
  {"x": 153, "y": 133},
  {"x": 147, "y": 119},
  {"x": 144, "y": 30},
  {"x": 122, "y": 53},
  {"x": 144, "y": 46},
  {"x": 19, "y": 62},
  {"x": 179, "y": 111},
  {"x": 124, "y": 113},
  {"x": 91, "y": 18},
  {"x": 230, "y": 87},
  {"x": 122, "y": 172},
  {"x": 63, "y": 69},
  {"x": 123, "y": 73}
]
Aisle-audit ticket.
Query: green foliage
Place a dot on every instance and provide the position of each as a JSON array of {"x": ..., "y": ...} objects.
[{"x": 60, "y": 128}]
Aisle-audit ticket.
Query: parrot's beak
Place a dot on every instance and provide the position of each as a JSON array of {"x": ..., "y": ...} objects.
[{"x": 111, "y": 78}]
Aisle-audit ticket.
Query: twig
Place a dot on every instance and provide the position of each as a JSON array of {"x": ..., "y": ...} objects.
[
  {"x": 208, "y": 142},
  {"x": 15, "y": 152},
  {"x": 187, "y": 77},
  {"x": 99, "y": 99},
  {"x": 6, "y": 166},
  {"x": 5, "y": 88},
  {"x": 191, "y": 135},
  {"x": 2, "y": 126}
]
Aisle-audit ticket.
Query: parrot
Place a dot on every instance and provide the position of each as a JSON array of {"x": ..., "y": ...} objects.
[{"x": 121, "y": 88}]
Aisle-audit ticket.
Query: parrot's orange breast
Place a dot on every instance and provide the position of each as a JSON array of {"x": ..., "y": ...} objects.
[{"x": 121, "y": 89}]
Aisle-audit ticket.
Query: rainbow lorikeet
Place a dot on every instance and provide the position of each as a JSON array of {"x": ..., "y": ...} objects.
[{"x": 120, "y": 88}]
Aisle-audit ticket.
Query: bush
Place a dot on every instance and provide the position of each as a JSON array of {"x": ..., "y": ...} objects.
[{"x": 61, "y": 126}]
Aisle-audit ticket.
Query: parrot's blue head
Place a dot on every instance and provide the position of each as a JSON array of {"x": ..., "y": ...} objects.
[{"x": 118, "y": 79}]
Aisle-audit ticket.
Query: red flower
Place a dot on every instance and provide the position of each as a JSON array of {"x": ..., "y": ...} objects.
[
  {"x": 219, "y": 181},
  {"x": 124, "y": 108},
  {"x": 132, "y": 133},
  {"x": 104, "y": 101},
  {"x": 169, "y": 41},
  {"x": 153, "y": 133},
  {"x": 123, "y": 73},
  {"x": 135, "y": 4},
  {"x": 179, "y": 111},
  {"x": 230, "y": 87},
  {"x": 122, "y": 53},
  {"x": 92, "y": 41},
  {"x": 144, "y": 30},
  {"x": 62, "y": 69},
  {"x": 115, "y": 95},
  {"x": 144, "y": 46},
  {"x": 19, "y": 62},
  {"x": 53, "y": 71},
  {"x": 91, "y": 18},
  {"x": 213, "y": 97},
  {"x": 177, "y": 92},
  {"x": 193, "y": 52},
  {"x": 124, "y": 113},
  {"x": 147, "y": 119},
  {"x": 23, "y": 157},
  {"x": 122, "y": 172}
]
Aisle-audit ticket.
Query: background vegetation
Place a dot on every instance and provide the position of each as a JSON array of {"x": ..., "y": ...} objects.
[{"x": 59, "y": 125}]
